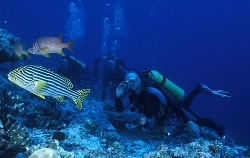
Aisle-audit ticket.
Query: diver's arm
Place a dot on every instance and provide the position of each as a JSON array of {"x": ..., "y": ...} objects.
[
  {"x": 167, "y": 101},
  {"x": 122, "y": 103},
  {"x": 119, "y": 105},
  {"x": 121, "y": 63},
  {"x": 124, "y": 71}
]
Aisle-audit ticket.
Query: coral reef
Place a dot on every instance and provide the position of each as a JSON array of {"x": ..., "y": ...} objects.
[{"x": 200, "y": 148}]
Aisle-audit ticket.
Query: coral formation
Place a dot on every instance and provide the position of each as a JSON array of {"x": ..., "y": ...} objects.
[
  {"x": 44, "y": 153},
  {"x": 18, "y": 135},
  {"x": 52, "y": 147}
]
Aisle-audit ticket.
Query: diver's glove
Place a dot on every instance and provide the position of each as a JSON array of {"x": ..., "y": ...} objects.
[
  {"x": 193, "y": 126},
  {"x": 218, "y": 92}
]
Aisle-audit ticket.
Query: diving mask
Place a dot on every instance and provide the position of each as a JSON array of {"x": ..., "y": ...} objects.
[
  {"x": 131, "y": 82},
  {"x": 126, "y": 87}
]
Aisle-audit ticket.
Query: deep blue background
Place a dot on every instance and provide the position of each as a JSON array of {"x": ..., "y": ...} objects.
[{"x": 187, "y": 41}]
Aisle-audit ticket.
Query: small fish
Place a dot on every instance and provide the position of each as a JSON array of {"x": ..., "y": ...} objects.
[
  {"x": 47, "y": 45},
  {"x": 5, "y": 22},
  {"x": 59, "y": 136},
  {"x": 44, "y": 82},
  {"x": 18, "y": 50}
]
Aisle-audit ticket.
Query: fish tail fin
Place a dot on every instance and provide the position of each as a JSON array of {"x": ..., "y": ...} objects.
[
  {"x": 19, "y": 51},
  {"x": 25, "y": 52},
  {"x": 60, "y": 36},
  {"x": 69, "y": 44},
  {"x": 62, "y": 54},
  {"x": 82, "y": 95},
  {"x": 28, "y": 55},
  {"x": 20, "y": 56}
]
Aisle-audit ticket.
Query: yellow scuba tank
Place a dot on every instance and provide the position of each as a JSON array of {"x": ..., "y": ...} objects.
[
  {"x": 78, "y": 61},
  {"x": 81, "y": 63},
  {"x": 170, "y": 86}
]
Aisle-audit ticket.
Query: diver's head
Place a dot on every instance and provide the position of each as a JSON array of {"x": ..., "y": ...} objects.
[
  {"x": 64, "y": 63},
  {"x": 131, "y": 83},
  {"x": 110, "y": 55}
]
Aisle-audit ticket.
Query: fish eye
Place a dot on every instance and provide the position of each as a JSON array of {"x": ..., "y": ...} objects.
[
  {"x": 33, "y": 45},
  {"x": 21, "y": 71}
]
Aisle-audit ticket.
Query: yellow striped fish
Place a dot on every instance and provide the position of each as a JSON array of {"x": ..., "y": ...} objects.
[{"x": 44, "y": 82}]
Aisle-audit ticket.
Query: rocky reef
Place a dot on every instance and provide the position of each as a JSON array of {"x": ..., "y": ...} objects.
[{"x": 7, "y": 41}]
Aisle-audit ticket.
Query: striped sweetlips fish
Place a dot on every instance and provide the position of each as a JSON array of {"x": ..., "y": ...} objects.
[{"x": 44, "y": 82}]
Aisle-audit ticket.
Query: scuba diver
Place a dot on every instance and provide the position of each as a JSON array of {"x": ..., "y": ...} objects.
[
  {"x": 153, "y": 95},
  {"x": 76, "y": 70},
  {"x": 111, "y": 65}
]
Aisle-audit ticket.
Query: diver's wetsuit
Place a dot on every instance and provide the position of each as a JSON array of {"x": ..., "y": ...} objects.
[
  {"x": 201, "y": 121},
  {"x": 154, "y": 102}
]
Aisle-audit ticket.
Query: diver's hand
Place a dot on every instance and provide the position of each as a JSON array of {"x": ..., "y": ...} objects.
[
  {"x": 193, "y": 126},
  {"x": 142, "y": 120},
  {"x": 218, "y": 92}
]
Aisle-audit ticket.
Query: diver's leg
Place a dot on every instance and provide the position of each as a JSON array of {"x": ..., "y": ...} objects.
[
  {"x": 216, "y": 92},
  {"x": 201, "y": 121},
  {"x": 204, "y": 89},
  {"x": 95, "y": 69},
  {"x": 104, "y": 87},
  {"x": 189, "y": 99},
  {"x": 220, "y": 129}
]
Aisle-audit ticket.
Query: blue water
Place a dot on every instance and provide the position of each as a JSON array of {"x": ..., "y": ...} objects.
[{"x": 187, "y": 41}]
